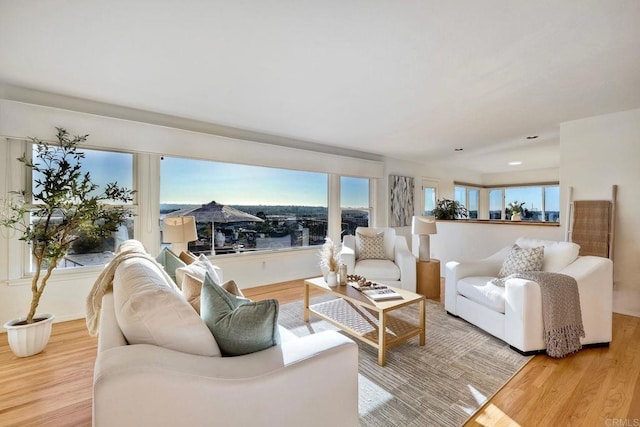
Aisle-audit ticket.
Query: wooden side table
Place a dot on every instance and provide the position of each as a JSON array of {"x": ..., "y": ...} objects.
[{"x": 428, "y": 280}]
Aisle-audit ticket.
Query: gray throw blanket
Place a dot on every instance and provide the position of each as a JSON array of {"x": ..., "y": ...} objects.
[{"x": 561, "y": 315}]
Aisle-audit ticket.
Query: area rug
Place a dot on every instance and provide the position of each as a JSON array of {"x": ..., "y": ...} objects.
[{"x": 440, "y": 384}]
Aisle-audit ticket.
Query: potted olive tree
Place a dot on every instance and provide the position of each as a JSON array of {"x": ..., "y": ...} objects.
[{"x": 63, "y": 205}]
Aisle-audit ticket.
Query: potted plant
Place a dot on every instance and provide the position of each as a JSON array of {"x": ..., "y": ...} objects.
[
  {"x": 449, "y": 209},
  {"x": 63, "y": 205},
  {"x": 516, "y": 210},
  {"x": 330, "y": 261}
]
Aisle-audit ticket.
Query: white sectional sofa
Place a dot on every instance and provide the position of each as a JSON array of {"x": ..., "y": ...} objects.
[
  {"x": 310, "y": 381},
  {"x": 513, "y": 313}
]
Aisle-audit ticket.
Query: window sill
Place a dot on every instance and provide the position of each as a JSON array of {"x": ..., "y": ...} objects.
[
  {"x": 61, "y": 274},
  {"x": 268, "y": 252},
  {"x": 501, "y": 222}
]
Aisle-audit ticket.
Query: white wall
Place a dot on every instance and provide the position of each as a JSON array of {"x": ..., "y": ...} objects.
[
  {"x": 521, "y": 177},
  {"x": 596, "y": 153},
  {"x": 461, "y": 240}
]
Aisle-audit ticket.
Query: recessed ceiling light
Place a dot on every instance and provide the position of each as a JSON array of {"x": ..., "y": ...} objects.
[
  {"x": 515, "y": 163},
  {"x": 532, "y": 136},
  {"x": 458, "y": 149}
]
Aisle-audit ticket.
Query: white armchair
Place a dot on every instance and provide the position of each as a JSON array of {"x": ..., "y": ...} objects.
[
  {"x": 513, "y": 313},
  {"x": 396, "y": 267}
]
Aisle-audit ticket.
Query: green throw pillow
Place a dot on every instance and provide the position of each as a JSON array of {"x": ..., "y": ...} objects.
[
  {"x": 170, "y": 262},
  {"x": 239, "y": 325}
]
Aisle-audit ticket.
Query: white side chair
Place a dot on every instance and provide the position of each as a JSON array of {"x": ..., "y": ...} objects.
[{"x": 397, "y": 268}]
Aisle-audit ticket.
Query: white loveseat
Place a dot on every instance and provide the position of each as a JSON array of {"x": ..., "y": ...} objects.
[
  {"x": 310, "y": 381},
  {"x": 396, "y": 268},
  {"x": 513, "y": 313}
]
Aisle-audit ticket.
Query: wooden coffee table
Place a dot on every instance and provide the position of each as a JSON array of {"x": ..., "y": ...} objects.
[{"x": 362, "y": 318}]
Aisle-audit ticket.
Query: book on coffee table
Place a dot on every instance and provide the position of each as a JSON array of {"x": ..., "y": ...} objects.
[
  {"x": 376, "y": 292},
  {"x": 381, "y": 294}
]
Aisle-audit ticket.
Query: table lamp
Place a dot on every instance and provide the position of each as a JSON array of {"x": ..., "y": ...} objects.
[
  {"x": 423, "y": 226},
  {"x": 179, "y": 231}
]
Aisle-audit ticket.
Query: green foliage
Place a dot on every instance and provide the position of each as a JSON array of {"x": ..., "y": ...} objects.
[
  {"x": 515, "y": 207},
  {"x": 65, "y": 205},
  {"x": 86, "y": 244},
  {"x": 449, "y": 209}
]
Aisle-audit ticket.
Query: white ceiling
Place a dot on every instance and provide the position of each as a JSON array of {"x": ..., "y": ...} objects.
[{"x": 404, "y": 79}]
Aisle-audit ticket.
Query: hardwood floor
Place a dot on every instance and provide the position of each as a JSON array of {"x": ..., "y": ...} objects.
[
  {"x": 52, "y": 388},
  {"x": 595, "y": 387}
]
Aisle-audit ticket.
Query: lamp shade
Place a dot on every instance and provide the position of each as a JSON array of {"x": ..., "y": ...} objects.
[
  {"x": 423, "y": 225},
  {"x": 179, "y": 229}
]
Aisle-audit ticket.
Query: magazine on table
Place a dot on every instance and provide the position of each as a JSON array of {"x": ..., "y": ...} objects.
[
  {"x": 381, "y": 294},
  {"x": 376, "y": 292}
]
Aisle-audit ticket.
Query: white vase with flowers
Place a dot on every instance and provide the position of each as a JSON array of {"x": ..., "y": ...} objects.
[{"x": 330, "y": 262}]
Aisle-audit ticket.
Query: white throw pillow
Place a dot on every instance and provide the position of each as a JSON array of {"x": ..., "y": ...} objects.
[
  {"x": 198, "y": 269},
  {"x": 151, "y": 311},
  {"x": 519, "y": 260},
  {"x": 557, "y": 255},
  {"x": 370, "y": 246}
]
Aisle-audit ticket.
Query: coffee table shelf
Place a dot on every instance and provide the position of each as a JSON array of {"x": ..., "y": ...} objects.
[
  {"x": 363, "y": 323},
  {"x": 363, "y": 319}
]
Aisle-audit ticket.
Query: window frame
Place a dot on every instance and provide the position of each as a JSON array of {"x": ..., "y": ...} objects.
[
  {"x": 428, "y": 183},
  {"x": 482, "y": 210},
  {"x": 369, "y": 209},
  {"x": 468, "y": 188},
  {"x": 24, "y": 250},
  {"x": 329, "y": 198}
]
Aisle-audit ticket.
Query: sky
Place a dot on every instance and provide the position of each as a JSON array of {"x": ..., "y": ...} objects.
[
  {"x": 202, "y": 181},
  {"x": 188, "y": 181},
  {"x": 106, "y": 167}
]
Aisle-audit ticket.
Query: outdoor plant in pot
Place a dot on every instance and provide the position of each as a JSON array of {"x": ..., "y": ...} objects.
[
  {"x": 449, "y": 209},
  {"x": 63, "y": 205},
  {"x": 516, "y": 209}
]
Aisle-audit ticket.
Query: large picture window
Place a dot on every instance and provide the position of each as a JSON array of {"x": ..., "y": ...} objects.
[
  {"x": 354, "y": 203},
  {"x": 103, "y": 167},
  {"x": 240, "y": 208},
  {"x": 469, "y": 197},
  {"x": 539, "y": 202},
  {"x": 496, "y": 203}
]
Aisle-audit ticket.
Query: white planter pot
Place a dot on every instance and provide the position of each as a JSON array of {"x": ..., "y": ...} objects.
[
  {"x": 325, "y": 272},
  {"x": 516, "y": 217},
  {"x": 332, "y": 279},
  {"x": 30, "y": 339}
]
